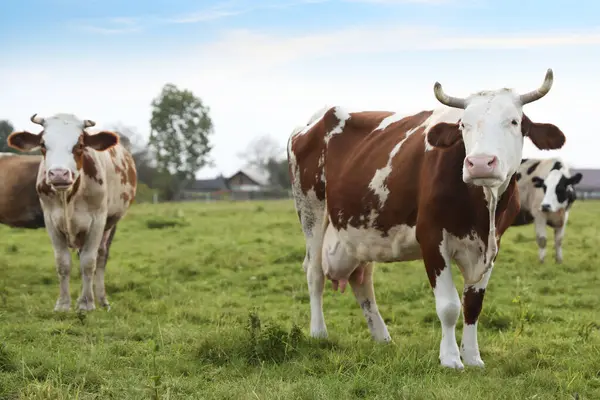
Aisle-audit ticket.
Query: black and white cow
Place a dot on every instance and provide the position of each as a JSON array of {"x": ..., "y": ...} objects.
[{"x": 546, "y": 194}]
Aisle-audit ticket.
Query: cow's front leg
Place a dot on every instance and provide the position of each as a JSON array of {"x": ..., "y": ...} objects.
[
  {"x": 87, "y": 259},
  {"x": 361, "y": 282},
  {"x": 62, "y": 259},
  {"x": 472, "y": 305},
  {"x": 559, "y": 233},
  {"x": 540, "y": 237},
  {"x": 447, "y": 303}
]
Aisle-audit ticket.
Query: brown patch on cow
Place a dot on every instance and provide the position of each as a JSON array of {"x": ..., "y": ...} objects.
[
  {"x": 74, "y": 189},
  {"x": 543, "y": 136},
  {"x": 125, "y": 197},
  {"x": 90, "y": 169},
  {"x": 113, "y": 153},
  {"x": 472, "y": 304},
  {"x": 78, "y": 151},
  {"x": 43, "y": 188},
  {"x": 80, "y": 239}
]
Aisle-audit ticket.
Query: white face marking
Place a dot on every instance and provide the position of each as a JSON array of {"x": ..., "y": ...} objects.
[
  {"x": 61, "y": 134},
  {"x": 550, "y": 197},
  {"x": 491, "y": 126}
]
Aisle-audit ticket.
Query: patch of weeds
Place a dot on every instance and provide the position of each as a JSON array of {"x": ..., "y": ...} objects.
[
  {"x": 259, "y": 209},
  {"x": 584, "y": 331},
  {"x": 494, "y": 319},
  {"x": 164, "y": 222},
  {"x": 12, "y": 249},
  {"x": 258, "y": 344},
  {"x": 6, "y": 359}
]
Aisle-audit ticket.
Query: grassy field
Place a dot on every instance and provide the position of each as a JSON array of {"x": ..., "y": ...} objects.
[{"x": 209, "y": 301}]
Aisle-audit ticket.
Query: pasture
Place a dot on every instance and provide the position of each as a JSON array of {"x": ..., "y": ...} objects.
[{"x": 209, "y": 301}]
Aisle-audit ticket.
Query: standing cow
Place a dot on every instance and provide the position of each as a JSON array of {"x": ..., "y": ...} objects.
[
  {"x": 547, "y": 194},
  {"x": 19, "y": 202},
  {"x": 86, "y": 183},
  {"x": 437, "y": 185}
]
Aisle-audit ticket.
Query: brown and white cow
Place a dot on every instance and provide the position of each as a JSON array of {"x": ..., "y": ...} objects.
[
  {"x": 86, "y": 182},
  {"x": 437, "y": 185},
  {"x": 19, "y": 202},
  {"x": 546, "y": 193}
]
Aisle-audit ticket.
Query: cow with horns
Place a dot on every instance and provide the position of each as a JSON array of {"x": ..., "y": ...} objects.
[
  {"x": 438, "y": 185},
  {"x": 85, "y": 182}
]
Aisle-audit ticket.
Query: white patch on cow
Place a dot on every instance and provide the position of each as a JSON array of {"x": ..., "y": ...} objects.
[
  {"x": 342, "y": 117},
  {"x": 377, "y": 184},
  {"x": 368, "y": 244},
  {"x": 470, "y": 253},
  {"x": 7, "y": 155},
  {"x": 314, "y": 119},
  {"x": 387, "y": 121}
]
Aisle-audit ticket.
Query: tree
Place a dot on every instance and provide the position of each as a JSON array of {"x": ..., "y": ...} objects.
[
  {"x": 278, "y": 173},
  {"x": 6, "y": 128},
  {"x": 179, "y": 137},
  {"x": 260, "y": 151}
]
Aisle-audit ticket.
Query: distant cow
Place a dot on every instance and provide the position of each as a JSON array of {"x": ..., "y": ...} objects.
[
  {"x": 438, "y": 185},
  {"x": 19, "y": 203},
  {"x": 547, "y": 194},
  {"x": 85, "y": 183}
]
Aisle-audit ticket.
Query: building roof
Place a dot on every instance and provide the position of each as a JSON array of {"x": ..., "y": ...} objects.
[
  {"x": 208, "y": 185},
  {"x": 261, "y": 178},
  {"x": 590, "y": 179}
]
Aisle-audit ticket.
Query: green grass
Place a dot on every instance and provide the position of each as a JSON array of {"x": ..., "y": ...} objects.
[{"x": 209, "y": 301}]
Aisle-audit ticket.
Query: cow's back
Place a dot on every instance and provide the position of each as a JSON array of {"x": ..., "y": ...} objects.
[{"x": 19, "y": 202}]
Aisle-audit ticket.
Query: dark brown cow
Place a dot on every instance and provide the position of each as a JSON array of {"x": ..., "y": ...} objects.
[
  {"x": 437, "y": 185},
  {"x": 19, "y": 203}
]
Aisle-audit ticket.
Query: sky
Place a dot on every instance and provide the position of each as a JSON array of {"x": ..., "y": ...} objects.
[{"x": 264, "y": 67}]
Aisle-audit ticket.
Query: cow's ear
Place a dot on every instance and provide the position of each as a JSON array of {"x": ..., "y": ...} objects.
[
  {"x": 101, "y": 141},
  {"x": 443, "y": 135},
  {"x": 543, "y": 136},
  {"x": 24, "y": 141},
  {"x": 575, "y": 179}
]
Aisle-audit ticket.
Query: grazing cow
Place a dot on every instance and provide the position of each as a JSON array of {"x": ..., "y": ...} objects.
[
  {"x": 86, "y": 182},
  {"x": 437, "y": 185},
  {"x": 19, "y": 202},
  {"x": 546, "y": 194}
]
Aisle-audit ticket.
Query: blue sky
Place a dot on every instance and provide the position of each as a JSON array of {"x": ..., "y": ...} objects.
[{"x": 264, "y": 66}]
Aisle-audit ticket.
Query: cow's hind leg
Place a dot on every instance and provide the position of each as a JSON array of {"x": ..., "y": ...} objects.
[
  {"x": 310, "y": 213},
  {"x": 472, "y": 305},
  {"x": 364, "y": 292},
  {"x": 103, "y": 252},
  {"x": 559, "y": 233}
]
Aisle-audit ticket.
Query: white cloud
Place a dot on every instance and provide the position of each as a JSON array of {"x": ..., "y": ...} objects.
[{"x": 259, "y": 84}]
